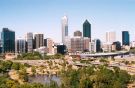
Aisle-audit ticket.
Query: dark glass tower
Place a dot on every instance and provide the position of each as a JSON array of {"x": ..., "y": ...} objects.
[
  {"x": 87, "y": 29},
  {"x": 98, "y": 45},
  {"x": 8, "y": 40},
  {"x": 125, "y": 38}
]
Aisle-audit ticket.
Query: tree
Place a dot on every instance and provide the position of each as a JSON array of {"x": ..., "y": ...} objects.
[
  {"x": 23, "y": 75},
  {"x": 16, "y": 66},
  {"x": 10, "y": 83}
]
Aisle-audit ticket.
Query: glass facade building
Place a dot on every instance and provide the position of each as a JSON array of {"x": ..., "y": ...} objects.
[
  {"x": 87, "y": 29},
  {"x": 20, "y": 45},
  {"x": 125, "y": 38},
  {"x": 8, "y": 40},
  {"x": 29, "y": 40}
]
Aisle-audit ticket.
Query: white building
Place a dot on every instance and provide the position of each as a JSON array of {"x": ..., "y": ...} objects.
[
  {"x": 42, "y": 50},
  {"x": 133, "y": 44},
  {"x": 107, "y": 47},
  {"x": 64, "y": 28},
  {"x": 92, "y": 47},
  {"x": 95, "y": 46}
]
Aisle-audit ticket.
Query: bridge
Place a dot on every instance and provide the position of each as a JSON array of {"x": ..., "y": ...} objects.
[{"x": 95, "y": 55}]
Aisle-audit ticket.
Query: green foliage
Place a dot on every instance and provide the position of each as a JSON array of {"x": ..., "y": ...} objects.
[
  {"x": 5, "y": 66},
  {"x": 10, "y": 83},
  {"x": 30, "y": 56},
  {"x": 15, "y": 66},
  {"x": 85, "y": 77},
  {"x": 23, "y": 75},
  {"x": 91, "y": 77},
  {"x": 38, "y": 56}
]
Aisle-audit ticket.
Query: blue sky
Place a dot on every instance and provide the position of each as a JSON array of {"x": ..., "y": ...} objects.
[{"x": 44, "y": 16}]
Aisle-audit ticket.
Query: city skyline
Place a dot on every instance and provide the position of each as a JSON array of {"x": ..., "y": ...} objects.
[{"x": 45, "y": 16}]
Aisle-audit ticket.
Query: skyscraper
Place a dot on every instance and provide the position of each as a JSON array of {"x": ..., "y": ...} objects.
[
  {"x": 125, "y": 38},
  {"x": 110, "y": 37},
  {"x": 29, "y": 40},
  {"x": 77, "y": 44},
  {"x": 38, "y": 40},
  {"x": 95, "y": 46},
  {"x": 64, "y": 28},
  {"x": 86, "y": 41},
  {"x": 50, "y": 45},
  {"x": 87, "y": 29},
  {"x": 20, "y": 45},
  {"x": 8, "y": 40}
]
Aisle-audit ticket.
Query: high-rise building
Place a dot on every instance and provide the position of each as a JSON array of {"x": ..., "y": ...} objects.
[
  {"x": 87, "y": 29},
  {"x": 20, "y": 45},
  {"x": 64, "y": 28},
  {"x": 86, "y": 41},
  {"x": 29, "y": 40},
  {"x": 110, "y": 37},
  {"x": 38, "y": 40},
  {"x": 125, "y": 38},
  {"x": 78, "y": 33},
  {"x": 50, "y": 45},
  {"x": 80, "y": 44},
  {"x": 95, "y": 46},
  {"x": 77, "y": 44},
  {"x": 68, "y": 43},
  {"x": 8, "y": 40}
]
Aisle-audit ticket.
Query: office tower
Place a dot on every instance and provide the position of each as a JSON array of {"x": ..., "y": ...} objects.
[
  {"x": 78, "y": 33},
  {"x": 61, "y": 49},
  {"x": 20, "y": 45},
  {"x": 8, "y": 40},
  {"x": 92, "y": 47},
  {"x": 87, "y": 29},
  {"x": 50, "y": 45},
  {"x": 98, "y": 45},
  {"x": 29, "y": 40},
  {"x": 86, "y": 41},
  {"x": 64, "y": 28},
  {"x": 110, "y": 37},
  {"x": 76, "y": 44},
  {"x": 68, "y": 43},
  {"x": 125, "y": 38},
  {"x": 117, "y": 45},
  {"x": 38, "y": 40},
  {"x": 45, "y": 42},
  {"x": 95, "y": 46}
]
